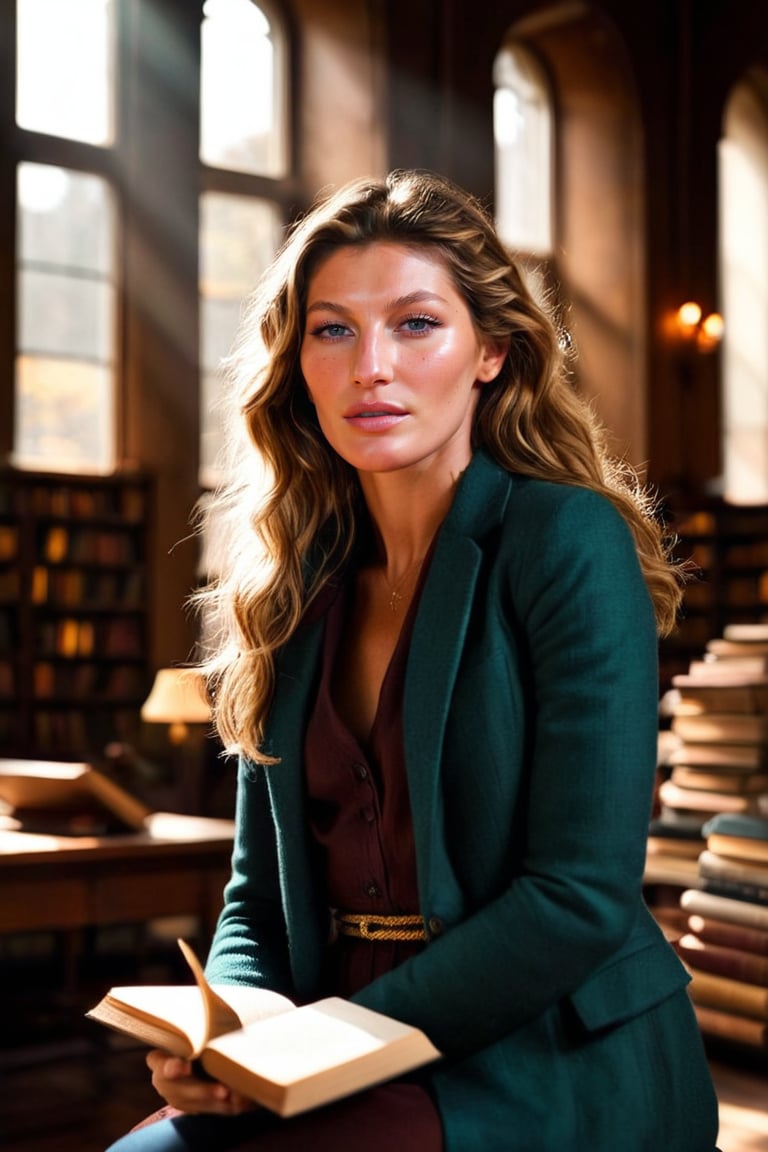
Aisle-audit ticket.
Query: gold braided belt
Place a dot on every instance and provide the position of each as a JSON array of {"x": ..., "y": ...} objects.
[{"x": 367, "y": 926}]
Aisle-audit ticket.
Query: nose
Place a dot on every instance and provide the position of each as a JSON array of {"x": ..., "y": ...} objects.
[{"x": 373, "y": 359}]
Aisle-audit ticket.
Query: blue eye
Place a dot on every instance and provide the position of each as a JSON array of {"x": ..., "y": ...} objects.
[
  {"x": 420, "y": 324},
  {"x": 332, "y": 331}
]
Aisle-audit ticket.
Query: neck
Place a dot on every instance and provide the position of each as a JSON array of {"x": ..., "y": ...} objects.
[{"x": 405, "y": 511}]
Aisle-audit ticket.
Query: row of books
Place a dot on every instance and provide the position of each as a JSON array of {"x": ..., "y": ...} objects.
[
  {"x": 74, "y": 501},
  {"x": 84, "y": 729},
  {"x": 73, "y": 587},
  {"x": 61, "y": 545},
  {"x": 73, "y": 638},
  {"x": 87, "y": 680}
]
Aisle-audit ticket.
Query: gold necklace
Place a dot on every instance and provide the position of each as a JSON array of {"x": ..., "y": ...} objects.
[{"x": 396, "y": 597}]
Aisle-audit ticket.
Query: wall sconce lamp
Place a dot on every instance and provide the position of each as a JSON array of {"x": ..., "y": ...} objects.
[
  {"x": 178, "y": 698},
  {"x": 695, "y": 330}
]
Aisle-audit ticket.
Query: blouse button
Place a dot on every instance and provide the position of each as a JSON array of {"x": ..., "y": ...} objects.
[
  {"x": 360, "y": 771},
  {"x": 368, "y": 814},
  {"x": 435, "y": 926},
  {"x": 372, "y": 890}
]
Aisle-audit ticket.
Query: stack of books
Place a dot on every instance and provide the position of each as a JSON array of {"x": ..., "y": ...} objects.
[
  {"x": 717, "y": 757},
  {"x": 725, "y": 942},
  {"x": 713, "y": 760}
]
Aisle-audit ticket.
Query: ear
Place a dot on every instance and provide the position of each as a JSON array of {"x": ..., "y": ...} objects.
[{"x": 493, "y": 355}]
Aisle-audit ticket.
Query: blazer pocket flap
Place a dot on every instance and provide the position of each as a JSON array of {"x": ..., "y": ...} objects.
[{"x": 628, "y": 987}]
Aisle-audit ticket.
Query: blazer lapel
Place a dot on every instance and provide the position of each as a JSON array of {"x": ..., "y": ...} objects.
[
  {"x": 437, "y": 644},
  {"x": 306, "y": 917}
]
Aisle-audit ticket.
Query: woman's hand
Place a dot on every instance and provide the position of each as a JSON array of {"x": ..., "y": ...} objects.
[{"x": 175, "y": 1080}]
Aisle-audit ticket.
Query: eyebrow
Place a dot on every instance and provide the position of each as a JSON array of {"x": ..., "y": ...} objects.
[{"x": 418, "y": 297}]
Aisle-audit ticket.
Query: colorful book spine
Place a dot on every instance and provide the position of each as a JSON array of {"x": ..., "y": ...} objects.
[
  {"x": 746, "y": 967},
  {"x": 727, "y": 1026},
  {"x": 725, "y": 935},
  {"x": 729, "y": 995},
  {"x": 709, "y": 904}
]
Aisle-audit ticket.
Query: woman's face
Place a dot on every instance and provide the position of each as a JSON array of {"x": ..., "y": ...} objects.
[{"x": 391, "y": 358}]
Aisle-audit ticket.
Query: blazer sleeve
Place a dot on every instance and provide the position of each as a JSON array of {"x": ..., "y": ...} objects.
[
  {"x": 568, "y": 565},
  {"x": 250, "y": 943}
]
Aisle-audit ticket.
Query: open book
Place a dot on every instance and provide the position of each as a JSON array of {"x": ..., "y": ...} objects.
[
  {"x": 286, "y": 1058},
  {"x": 63, "y": 798}
]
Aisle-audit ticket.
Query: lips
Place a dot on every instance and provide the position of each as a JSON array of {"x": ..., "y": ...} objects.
[
  {"x": 368, "y": 411},
  {"x": 374, "y": 417}
]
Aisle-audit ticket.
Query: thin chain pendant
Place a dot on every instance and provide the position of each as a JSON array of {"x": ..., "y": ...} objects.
[{"x": 395, "y": 599}]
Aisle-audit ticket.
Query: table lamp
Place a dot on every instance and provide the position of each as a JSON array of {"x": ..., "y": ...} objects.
[{"x": 178, "y": 699}]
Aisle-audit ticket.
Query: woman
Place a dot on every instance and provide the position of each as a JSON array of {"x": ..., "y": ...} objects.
[{"x": 436, "y": 657}]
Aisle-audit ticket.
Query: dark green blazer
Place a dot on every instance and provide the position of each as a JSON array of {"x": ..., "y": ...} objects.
[{"x": 530, "y": 728}]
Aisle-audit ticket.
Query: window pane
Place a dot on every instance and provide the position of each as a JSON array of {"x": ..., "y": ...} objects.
[
  {"x": 64, "y": 415},
  {"x": 66, "y": 219},
  {"x": 242, "y": 120},
  {"x": 65, "y": 68},
  {"x": 66, "y": 320},
  {"x": 78, "y": 315},
  {"x": 522, "y": 128},
  {"x": 743, "y": 189},
  {"x": 238, "y": 237}
]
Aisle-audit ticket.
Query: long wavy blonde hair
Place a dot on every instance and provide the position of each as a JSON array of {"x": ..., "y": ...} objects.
[{"x": 286, "y": 519}]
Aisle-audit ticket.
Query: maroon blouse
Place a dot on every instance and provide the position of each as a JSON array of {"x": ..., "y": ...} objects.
[{"x": 360, "y": 810}]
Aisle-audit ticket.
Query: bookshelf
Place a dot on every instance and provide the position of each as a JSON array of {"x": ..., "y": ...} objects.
[
  {"x": 728, "y": 543},
  {"x": 74, "y": 612}
]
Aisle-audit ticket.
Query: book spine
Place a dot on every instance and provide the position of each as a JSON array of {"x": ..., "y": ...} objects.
[
  {"x": 718, "y": 907},
  {"x": 726, "y": 935},
  {"x": 737, "y": 847},
  {"x": 728, "y": 994},
  {"x": 736, "y": 889},
  {"x": 715, "y": 866},
  {"x": 744, "y": 966},
  {"x": 738, "y": 1029}
]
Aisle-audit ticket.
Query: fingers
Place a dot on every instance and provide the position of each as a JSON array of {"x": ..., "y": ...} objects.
[{"x": 173, "y": 1079}]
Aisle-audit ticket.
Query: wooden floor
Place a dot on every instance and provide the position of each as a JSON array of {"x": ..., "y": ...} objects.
[
  {"x": 67, "y": 1085},
  {"x": 72, "y": 1097},
  {"x": 743, "y": 1095}
]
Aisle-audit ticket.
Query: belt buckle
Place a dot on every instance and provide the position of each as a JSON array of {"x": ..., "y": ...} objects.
[{"x": 369, "y": 933}]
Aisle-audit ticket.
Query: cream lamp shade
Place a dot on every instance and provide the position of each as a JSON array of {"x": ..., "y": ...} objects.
[{"x": 178, "y": 698}]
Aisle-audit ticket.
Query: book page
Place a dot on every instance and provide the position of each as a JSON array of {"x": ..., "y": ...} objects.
[
  {"x": 172, "y": 1016},
  {"x": 161, "y": 1016},
  {"x": 317, "y": 1053},
  {"x": 218, "y": 1016}
]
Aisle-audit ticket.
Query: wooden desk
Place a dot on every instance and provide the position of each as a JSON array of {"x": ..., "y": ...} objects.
[{"x": 177, "y": 866}]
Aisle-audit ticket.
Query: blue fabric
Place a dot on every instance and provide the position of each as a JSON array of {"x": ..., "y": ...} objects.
[{"x": 395, "y": 1117}]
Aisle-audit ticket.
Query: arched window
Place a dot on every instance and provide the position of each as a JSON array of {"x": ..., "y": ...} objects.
[
  {"x": 66, "y": 333},
  {"x": 65, "y": 68},
  {"x": 238, "y": 237},
  {"x": 243, "y": 89},
  {"x": 570, "y": 199},
  {"x": 743, "y": 172},
  {"x": 244, "y": 149},
  {"x": 522, "y": 128}
]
